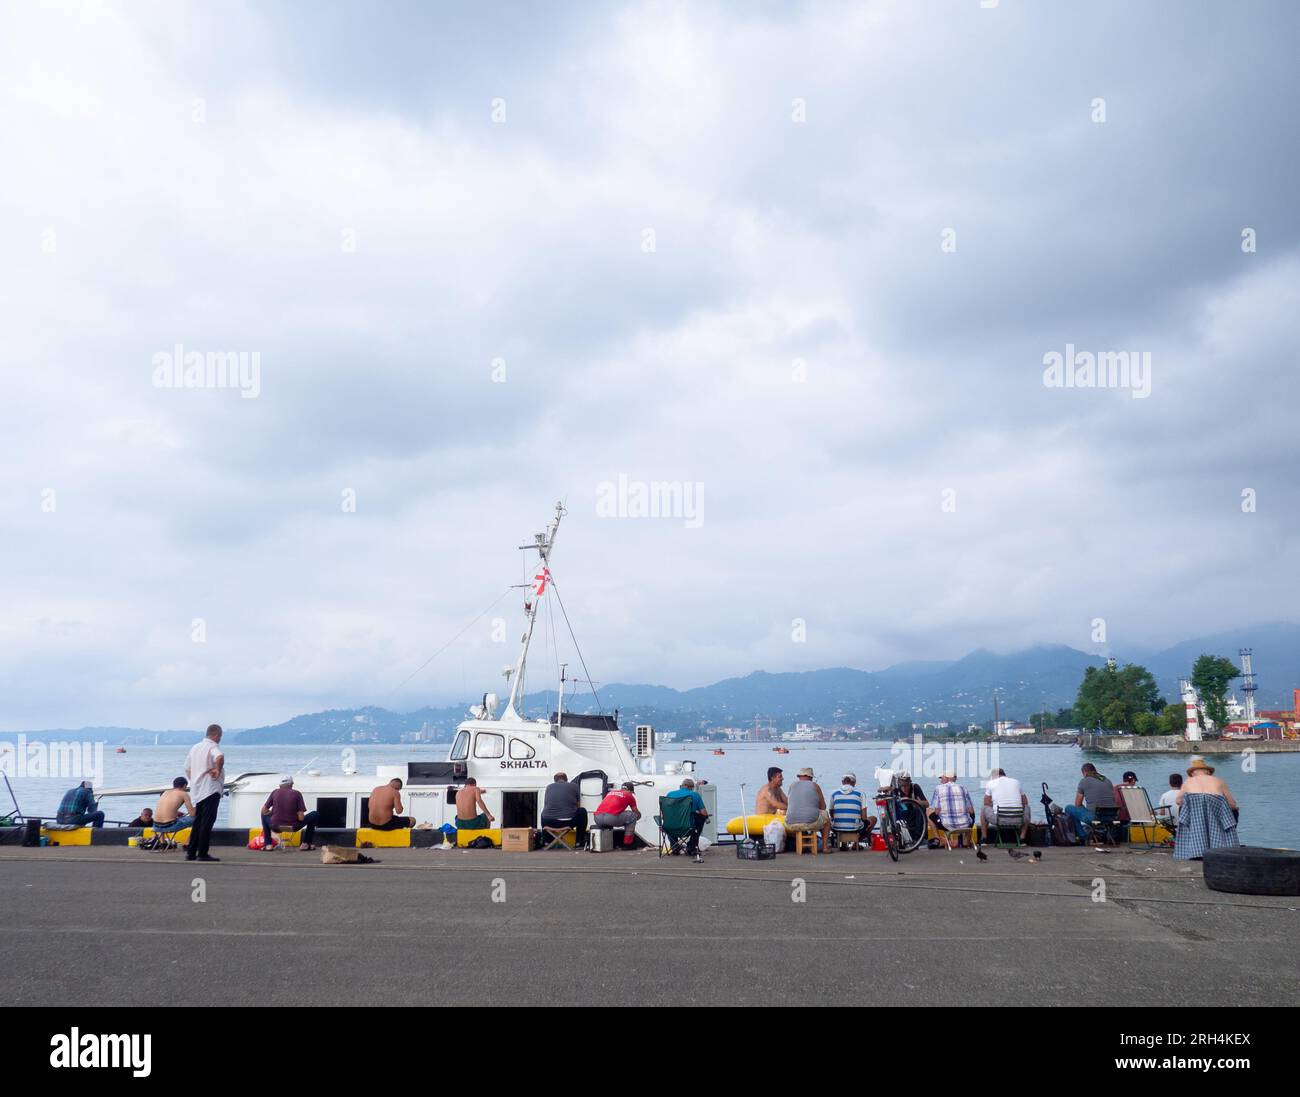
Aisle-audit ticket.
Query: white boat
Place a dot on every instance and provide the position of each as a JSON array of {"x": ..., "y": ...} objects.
[{"x": 513, "y": 758}]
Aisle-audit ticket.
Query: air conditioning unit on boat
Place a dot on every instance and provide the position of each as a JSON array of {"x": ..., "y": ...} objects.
[{"x": 645, "y": 741}]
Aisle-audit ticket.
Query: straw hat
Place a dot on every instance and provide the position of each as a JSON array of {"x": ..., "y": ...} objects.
[
  {"x": 805, "y": 772},
  {"x": 1199, "y": 763}
]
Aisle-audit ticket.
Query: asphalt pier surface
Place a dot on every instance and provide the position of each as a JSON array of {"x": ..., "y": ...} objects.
[{"x": 117, "y": 926}]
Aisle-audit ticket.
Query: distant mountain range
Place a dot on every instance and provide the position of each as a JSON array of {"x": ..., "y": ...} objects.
[{"x": 959, "y": 691}]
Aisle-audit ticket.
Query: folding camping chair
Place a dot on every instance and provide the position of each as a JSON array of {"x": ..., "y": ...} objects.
[
  {"x": 1141, "y": 814},
  {"x": 164, "y": 836},
  {"x": 555, "y": 837},
  {"x": 1104, "y": 826},
  {"x": 676, "y": 821},
  {"x": 1011, "y": 819}
]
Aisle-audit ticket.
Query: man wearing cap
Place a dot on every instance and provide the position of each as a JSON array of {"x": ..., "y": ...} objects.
[
  {"x": 849, "y": 818},
  {"x": 1207, "y": 813},
  {"x": 285, "y": 809},
  {"x": 618, "y": 810},
  {"x": 807, "y": 811},
  {"x": 914, "y": 810},
  {"x": 699, "y": 816},
  {"x": 77, "y": 808},
  {"x": 953, "y": 813},
  {"x": 1129, "y": 780}
]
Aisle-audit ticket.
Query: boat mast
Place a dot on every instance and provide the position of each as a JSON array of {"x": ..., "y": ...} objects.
[{"x": 543, "y": 543}]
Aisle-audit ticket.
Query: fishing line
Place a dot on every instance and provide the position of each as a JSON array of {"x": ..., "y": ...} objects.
[
  {"x": 590, "y": 682},
  {"x": 447, "y": 644}
]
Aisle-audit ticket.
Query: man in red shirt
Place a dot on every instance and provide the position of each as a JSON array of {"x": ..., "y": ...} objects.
[
  {"x": 285, "y": 809},
  {"x": 619, "y": 809}
]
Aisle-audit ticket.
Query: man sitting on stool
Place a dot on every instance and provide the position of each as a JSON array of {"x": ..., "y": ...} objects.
[
  {"x": 562, "y": 807},
  {"x": 850, "y": 822},
  {"x": 619, "y": 809},
  {"x": 285, "y": 809}
]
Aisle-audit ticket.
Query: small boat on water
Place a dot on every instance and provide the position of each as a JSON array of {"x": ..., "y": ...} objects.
[
  {"x": 780, "y": 750},
  {"x": 120, "y": 750},
  {"x": 720, "y": 752}
]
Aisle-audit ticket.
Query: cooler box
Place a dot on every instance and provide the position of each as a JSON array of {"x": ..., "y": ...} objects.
[{"x": 602, "y": 841}]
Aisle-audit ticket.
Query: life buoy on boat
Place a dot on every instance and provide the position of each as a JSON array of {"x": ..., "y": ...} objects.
[{"x": 1253, "y": 870}]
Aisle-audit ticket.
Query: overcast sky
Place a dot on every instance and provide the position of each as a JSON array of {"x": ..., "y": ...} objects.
[{"x": 810, "y": 257}]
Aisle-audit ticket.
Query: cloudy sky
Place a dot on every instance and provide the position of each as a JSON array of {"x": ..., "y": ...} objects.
[{"x": 810, "y": 258}]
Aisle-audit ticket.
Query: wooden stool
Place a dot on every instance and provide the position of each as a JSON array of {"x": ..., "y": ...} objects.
[{"x": 805, "y": 841}]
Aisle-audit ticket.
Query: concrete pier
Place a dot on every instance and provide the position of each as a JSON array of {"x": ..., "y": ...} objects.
[{"x": 106, "y": 925}]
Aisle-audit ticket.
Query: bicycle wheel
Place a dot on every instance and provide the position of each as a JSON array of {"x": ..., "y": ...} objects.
[
  {"x": 911, "y": 816},
  {"x": 889, "y": 834}
]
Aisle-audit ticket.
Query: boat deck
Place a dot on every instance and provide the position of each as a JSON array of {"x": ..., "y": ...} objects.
[{"x": 111, "y": 925}]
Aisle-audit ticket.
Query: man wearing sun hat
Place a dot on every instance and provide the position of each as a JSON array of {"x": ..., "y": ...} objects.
[
  {"x": 1207, "y": 813},
  {"x": 807, "y": 811}
]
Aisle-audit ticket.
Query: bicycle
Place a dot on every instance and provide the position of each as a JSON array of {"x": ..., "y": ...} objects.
[{"x": 895, "y": 810}]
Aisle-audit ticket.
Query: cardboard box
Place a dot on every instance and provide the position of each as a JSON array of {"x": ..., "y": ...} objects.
[{"x": 518, "y": 839}]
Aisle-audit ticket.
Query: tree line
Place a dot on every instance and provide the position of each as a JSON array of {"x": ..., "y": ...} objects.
[{"x": 1127, "y": 698}]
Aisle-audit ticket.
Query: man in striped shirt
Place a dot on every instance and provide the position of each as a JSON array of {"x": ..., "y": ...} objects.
[
  {"x": 850, "y": 822},
  {"x": 952, "y": 811}
]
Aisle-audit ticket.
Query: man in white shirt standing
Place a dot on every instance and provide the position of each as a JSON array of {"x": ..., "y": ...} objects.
[
  {"x": 206, "y": 769},
  {"x": 1003, "y": 792}
]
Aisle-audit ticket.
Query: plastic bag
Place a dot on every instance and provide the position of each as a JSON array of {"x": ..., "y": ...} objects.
[{"x": 774, "y": 835}]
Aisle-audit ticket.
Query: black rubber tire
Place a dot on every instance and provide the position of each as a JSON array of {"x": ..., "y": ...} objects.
[{"x": 1253, "y": 870}]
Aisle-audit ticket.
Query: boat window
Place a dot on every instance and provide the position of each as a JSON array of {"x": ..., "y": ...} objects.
[
  {"x": 333, "y": 811},
  {"x": 519, "y": 749},
  {"x": 488, "y": 744},
  {"x": 460, "y": 748}
]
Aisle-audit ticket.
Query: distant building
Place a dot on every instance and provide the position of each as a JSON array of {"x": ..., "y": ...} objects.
[{"x": 1009, "y": 728}]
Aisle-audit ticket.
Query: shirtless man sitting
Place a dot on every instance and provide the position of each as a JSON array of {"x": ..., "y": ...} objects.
[
  {"x": 1200, "y": 778},
  {"x": 175, "y": 809},
  {"x": 771, "y": 800},
  {"x": 471, "y": 812},
  {"x": 385, "y": 803}
]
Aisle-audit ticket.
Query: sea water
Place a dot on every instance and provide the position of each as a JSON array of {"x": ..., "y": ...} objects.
[{"x": 1263, "y": 793}]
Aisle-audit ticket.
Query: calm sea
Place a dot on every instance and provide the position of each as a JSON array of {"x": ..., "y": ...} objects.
[{"x": 1264, "y": 795}]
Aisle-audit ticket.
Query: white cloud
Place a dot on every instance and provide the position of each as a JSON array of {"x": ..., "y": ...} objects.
[{"x": 775, "y": 241}]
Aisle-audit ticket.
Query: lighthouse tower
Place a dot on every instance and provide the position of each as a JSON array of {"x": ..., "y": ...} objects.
[
  {"x": 1248, "y": 686},
  {"x": 1192, "y": 704}
]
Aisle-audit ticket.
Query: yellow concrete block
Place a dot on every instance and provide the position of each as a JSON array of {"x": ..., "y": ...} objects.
[
  {"x": 182, "y": 836},
  {"x": 384, "y": 839},
  {"x": 78, "y": 837},
  {"x": 464, "y": 837},
  {"x": 291, "y": 837}
]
